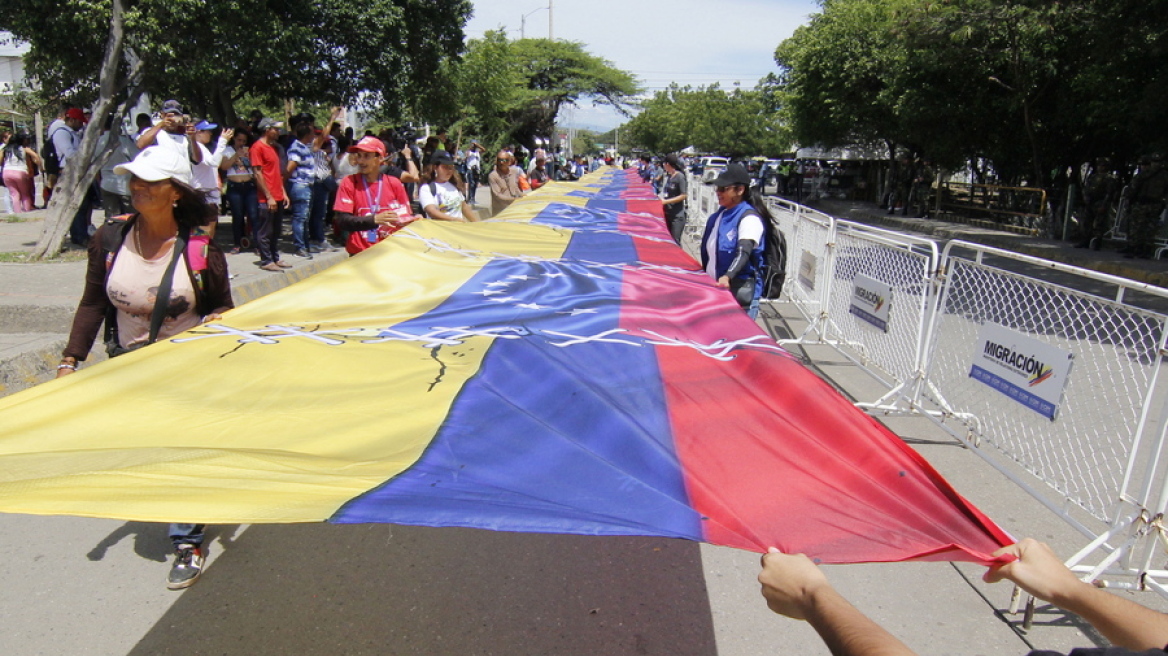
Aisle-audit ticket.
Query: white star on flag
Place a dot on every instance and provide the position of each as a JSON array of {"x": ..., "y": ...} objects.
[{"x": 530, "y": 306}]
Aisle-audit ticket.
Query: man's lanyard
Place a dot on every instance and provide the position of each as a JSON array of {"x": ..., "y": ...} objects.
[{"x": 373, "y": 206}]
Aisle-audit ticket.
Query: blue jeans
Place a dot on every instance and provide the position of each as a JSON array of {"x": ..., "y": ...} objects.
[
  {"x": 186, "y": 534},
  {"x": 245, "y": 208},
  {"x": 300, "y": 199},
  {"x": 82, "y": 221},
  {"x": 321, "y": 191},
  {"x": 472, "y": 183}
]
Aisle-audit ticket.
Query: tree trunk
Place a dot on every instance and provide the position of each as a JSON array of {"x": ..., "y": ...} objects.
[{"x": 84, "y": 165}]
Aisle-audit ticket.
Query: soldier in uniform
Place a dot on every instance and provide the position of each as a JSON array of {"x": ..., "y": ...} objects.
[
  {"x": 1149, "y": 189},
  {"x": 1099, "y": 190}
]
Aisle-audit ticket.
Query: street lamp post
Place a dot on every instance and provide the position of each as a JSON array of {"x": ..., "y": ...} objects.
[{"x": 523, "y": 21}]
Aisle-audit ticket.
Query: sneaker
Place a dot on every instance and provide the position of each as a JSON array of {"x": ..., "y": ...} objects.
[
  {"x": 188, "y": 565},
  {"x": 303, "y": 253},
  {"x": 283, "y": 265},
  {"x": 233, "y": 251},
  {"x": 271, "y": 266}
]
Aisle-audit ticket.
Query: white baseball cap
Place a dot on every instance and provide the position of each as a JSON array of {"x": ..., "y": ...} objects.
[{"x": 159, "y": 163}]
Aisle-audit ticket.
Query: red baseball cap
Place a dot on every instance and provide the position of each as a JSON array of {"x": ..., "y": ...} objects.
[
  {"x": 369, "y": 145},
  {"x": 76, "y": 114}
]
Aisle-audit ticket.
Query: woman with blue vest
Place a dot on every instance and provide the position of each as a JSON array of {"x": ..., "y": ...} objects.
[{"x": 735, "y": 238}]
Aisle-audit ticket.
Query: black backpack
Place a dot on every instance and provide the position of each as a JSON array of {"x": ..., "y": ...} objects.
[
  {"x": 49, "y": 154},
  {"x": 775, "y": 260}
]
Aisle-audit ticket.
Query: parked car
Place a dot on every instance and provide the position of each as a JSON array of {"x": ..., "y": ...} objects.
[{"x": 718, "y": 163}]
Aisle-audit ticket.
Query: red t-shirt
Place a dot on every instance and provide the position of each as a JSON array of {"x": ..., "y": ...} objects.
[
  {"x": 357, "y": 197},
  {"x": 267, "y": 160}
]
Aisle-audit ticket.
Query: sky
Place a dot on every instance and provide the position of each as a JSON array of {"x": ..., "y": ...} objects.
[{"x": 694, "y": 42}]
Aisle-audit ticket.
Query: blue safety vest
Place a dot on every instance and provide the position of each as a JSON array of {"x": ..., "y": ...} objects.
[{"x": 727, "y": 243}]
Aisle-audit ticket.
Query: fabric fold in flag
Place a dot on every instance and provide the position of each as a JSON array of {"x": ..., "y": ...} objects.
[{"x": 564, "y": 367}]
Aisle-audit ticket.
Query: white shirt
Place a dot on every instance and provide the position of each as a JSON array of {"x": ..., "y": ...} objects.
[
  {"x": 205, "y": 174},
  {"x": 445, "y": 195}
]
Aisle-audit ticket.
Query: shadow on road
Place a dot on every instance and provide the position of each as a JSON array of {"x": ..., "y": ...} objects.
[
  {"x": 152, "y": 541},
  {"x": 382, "y": 589}
]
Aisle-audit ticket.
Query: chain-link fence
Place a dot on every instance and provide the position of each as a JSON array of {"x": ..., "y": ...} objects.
[
  {"x": 881, "y": 301},
  {"x": 1085, "y": 446},
  {"x": 1063, "y": 384}
]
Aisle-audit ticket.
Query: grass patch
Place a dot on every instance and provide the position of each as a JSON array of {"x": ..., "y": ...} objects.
[
  {"x": 12, "y": 218},
  {"x": 21, "y": 257}
]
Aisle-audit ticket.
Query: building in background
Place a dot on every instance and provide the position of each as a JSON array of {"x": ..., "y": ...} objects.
[{"x": 11, "y": 82}]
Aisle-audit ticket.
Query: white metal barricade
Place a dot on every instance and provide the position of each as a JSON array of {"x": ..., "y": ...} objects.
[
  {"x": 809, "y": 269},
  {"x": 1062, "y": 384},
  {"x": 881, "y": 306},
  {"x": 700, "y": 203}
]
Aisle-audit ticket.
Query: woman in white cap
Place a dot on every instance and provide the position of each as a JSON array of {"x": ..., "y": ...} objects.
[
  {"x": 149, "y": 279},
  {"x": 205, "y": 174}
]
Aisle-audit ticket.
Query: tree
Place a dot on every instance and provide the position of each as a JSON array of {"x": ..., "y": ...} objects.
[
  {"x": 119, "y": 76},
  {"x": 838, "y": 73},
  {"x": 512, "y": 91},
  {"x": 210, "y": 54},
  {"x": 737, "y": 123},
  {"x": 1029, "y": 85}
]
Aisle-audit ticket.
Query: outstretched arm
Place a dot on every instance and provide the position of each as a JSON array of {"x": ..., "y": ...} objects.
[
  {"x": 794, "y": 586},
  {"x": 1041, "y": 573}
]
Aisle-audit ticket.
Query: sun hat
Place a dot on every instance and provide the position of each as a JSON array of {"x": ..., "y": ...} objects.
[{"x": 159, "y": 163}]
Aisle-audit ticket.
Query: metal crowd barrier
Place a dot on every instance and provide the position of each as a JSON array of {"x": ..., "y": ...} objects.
[
  {"x": 881, "y": 305},
  {"x": 1063, "y": 384}
]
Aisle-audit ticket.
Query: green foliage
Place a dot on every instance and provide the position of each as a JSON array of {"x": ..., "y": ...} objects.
[
  {"x": 735, "y": 123},
  {"x": 211, "y": 53},
  {"x": 512, "y": 91},
  {"x": 1030, "y": 85}
]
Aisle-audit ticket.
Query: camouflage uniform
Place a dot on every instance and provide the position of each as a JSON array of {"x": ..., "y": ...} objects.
[
  {"x": 1098, "y": 192},
  {"x": 1148, "y": 191}
]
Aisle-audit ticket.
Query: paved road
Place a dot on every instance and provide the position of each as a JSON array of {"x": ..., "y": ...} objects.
[{"x": 90, "y": 586}]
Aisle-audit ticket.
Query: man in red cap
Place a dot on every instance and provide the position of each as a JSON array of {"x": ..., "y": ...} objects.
[
  {"x": 370, "y": 204},
  {"x": 66, "y": 143},
  {"x": 65, "y": 133}
]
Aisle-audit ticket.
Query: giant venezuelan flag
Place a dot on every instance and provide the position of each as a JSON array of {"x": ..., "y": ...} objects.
[{"x": 564, "y": 368}]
